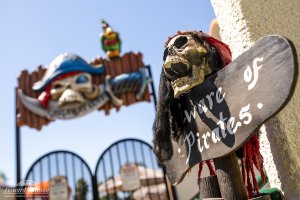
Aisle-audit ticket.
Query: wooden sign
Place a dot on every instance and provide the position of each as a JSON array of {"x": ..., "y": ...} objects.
[
  {"x": 225, "y": 110},
  {"x": 130, "y": 177},
  {"x": 36, "y": 91},
  {"x": 59, "y": 189}
]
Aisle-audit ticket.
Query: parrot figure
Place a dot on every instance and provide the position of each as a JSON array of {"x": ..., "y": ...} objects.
[{"x": 110, "y": 41}]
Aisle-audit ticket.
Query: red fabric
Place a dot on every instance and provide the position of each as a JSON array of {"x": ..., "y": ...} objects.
[
  {"x": 44, "y": 98},
  {"x": 210, "y": 167},
  {"x": 200, "y": 169},
  {"x": 252, "y": 157},
  {"x": 258, "y": 160},
  {"x": 45, "y": 95},
  {"x": 111, "y": 42},
  {"x": 245, "y": 162},
  {"x": 223, "y": 49}
]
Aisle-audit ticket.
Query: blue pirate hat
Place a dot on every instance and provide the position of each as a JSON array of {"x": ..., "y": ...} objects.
[{"x": 63, "y": 64}]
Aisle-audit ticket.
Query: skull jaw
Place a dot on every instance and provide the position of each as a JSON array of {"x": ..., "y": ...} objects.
[{"x": 185, "y": 84}]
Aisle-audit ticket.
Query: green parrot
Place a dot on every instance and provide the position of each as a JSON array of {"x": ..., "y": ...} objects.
[{"x": 110, "y": 41}]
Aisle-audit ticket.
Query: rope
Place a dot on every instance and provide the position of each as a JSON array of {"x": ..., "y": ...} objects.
[{"x": 210, "y": 168}]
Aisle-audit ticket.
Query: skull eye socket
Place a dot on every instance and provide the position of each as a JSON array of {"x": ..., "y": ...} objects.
[
  {"x": 166, "y": 53},
  {"x": 179, "y": 42},
  {"x": 82, "y": 79},
  {"x": 57, "y": 86}
]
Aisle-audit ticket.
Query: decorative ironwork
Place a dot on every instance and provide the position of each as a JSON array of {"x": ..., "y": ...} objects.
[
  {"x": 108, "y": 180},
  {"x": 61, "y": 163},
  {"x": 130, "y": 152}
]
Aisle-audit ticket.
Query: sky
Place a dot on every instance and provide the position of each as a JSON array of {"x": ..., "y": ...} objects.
[{"x": 34, "y": 32}]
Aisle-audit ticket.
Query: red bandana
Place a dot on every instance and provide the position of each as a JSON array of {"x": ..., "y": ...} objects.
[{"x": 222, "y": 48}]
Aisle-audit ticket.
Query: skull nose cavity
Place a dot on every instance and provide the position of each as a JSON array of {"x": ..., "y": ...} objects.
[
  {"x": 179, "y": 68},
  {"x": 69, "y": 86},
  {"x": 170, "y": 74}
]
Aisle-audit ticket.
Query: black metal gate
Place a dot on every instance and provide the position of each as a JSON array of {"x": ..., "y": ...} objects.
[
  {"x": 107, "y": 182},
  {"x": 124, "y": 153},
  {"x": 61, "y": 163}
]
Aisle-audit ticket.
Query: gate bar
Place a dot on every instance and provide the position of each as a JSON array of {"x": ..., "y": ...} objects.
[
  {"x": 18, "y": 142},
  {"x": 152, "y": 86}
]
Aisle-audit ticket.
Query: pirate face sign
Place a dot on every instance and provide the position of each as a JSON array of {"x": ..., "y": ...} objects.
[
  {"x": 67, "y": 90},
  {"x": 68, "y": 81},
  {"x": 188, "y": 59},
  {"x": 74, "y": 90}
]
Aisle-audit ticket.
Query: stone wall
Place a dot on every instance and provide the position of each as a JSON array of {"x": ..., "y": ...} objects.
[{"x": 242, "y": 22}]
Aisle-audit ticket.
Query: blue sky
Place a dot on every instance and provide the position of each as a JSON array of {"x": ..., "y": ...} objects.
[{"x": 34, "y": 32}]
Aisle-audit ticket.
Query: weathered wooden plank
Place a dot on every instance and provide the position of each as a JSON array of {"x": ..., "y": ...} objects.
[
  {"x": 20, "y": 107},
  {"x": 42, "y": 121},
  {"x": 34, "y": 117},
  {"x": 125, "y": 66},
  {"x": 108, "y": 71},
  {"x": 23, "y": 83},
  {"x": 28, "y": 113},
  {"x": 120, "y": 70}
]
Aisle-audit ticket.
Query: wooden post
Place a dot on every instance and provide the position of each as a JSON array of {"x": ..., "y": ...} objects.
[
  {"x": 209, "y": 187},
  {"x": 229, "y": 178}
]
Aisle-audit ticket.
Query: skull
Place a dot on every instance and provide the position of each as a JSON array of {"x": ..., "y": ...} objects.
[
  {"x": 73, "y": 90},
  {"x": 187, "y": 61}
]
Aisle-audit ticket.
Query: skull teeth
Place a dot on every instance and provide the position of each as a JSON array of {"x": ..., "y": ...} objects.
[{"x": 70, "y": 96}]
